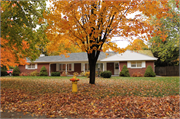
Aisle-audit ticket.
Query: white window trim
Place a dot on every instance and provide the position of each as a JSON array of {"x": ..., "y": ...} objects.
[
  {"x": 26, "y": 67},
  {"x": 115, "y": 65},
  {"x": 143, "y": 64},
  {"x": 136, "y": 67}
]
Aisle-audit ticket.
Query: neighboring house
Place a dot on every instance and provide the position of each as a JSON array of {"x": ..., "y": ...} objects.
[{"x": 78, "y": 62}]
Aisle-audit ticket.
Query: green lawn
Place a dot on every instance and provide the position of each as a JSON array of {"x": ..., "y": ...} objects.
[{"x": 122, "y": 86}]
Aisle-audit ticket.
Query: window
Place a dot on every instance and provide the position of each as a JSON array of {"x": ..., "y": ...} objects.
[
  {"x": 31, "y": 66},
  {"x": 69, "y": 67},
  {"x": 133, "y": 64},
  {"x": 99, "y": 66},
  {"x": 136, "y": 64},
  {"x": 116, "y": 65},
  {"x": 62, "y": 67},
  {"x": 139, "y": 64},
  {"x": 87, "y": 67}
]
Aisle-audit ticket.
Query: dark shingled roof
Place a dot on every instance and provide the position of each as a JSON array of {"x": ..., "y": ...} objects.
[{"x": 72, "y": 57}]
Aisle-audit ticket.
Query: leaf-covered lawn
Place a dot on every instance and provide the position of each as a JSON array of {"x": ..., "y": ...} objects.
[{"x": 116, "y": 97}]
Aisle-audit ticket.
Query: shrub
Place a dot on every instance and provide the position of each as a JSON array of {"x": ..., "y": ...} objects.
[
  {"x": 55, "y": 74},
  {"x": 16, "y": 71},
  {"x": 34, "y": 73},
  {"x": 87, "y": 74},
  {"x": 106, "y": 74},
  {"x": 149, "y": 72},
  {"x": 137, "y": 74},
  {"x": 63, "y": 73},
  {"x": 43, "y": 71},
  {"x": 3, "y": 72},
  {"x": 75, "y": 73},
  {"x": 82, "y": 74},
  {"x": 101, "y": 74},
  {"x": 124, "y": 72}
]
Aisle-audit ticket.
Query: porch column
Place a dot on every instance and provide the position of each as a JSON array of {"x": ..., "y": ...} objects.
[
  {"x": 103, "y": 66},
  {"x": 49, "y": 69},
  {"x": 84, "y": 67},
  {"x": 66, "y": 69}
]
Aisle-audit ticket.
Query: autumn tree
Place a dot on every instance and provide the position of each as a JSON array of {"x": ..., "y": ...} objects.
[
  {"x": 62, "y": 48},
  {"x": 19, "y": 21},
  {"x": 91, "y": 24},
  {"x": 41, "y": 36},
  {"x": 167, "y": 48},
  {"x": 137, "y": 44}
]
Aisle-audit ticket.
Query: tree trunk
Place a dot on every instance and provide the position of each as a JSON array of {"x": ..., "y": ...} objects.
[
  {"x": 92, "y": 65},
  {"x": 92, "y": 58}
]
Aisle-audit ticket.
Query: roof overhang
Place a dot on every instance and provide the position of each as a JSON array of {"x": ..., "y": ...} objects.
[
  {"x": 77, "y": 61},
  {"x": 113, "y": 60}
]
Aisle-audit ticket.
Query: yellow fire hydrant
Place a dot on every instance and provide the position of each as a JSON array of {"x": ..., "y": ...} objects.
[{"x": 74, "y": 84}]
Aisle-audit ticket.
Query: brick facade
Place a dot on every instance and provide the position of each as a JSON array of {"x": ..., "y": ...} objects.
[
  {"x": 137, "y": 70},
  {"x": 77, "y": 68},
  {"x": 39, "y": 66}
]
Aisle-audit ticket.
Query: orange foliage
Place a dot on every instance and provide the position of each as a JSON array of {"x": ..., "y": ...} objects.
[
  {"x": 8, "y": 57},
  {"x": 137, "y": 74},
  {"x": 136, "y": 45},
  {"x": 90, "y": 25}
]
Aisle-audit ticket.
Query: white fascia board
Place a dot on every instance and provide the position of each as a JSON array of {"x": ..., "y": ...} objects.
[
  {"x": 78, "y": 61},
  {"x": 110, "y": 60},
  {"x": 56, "y": 61}
]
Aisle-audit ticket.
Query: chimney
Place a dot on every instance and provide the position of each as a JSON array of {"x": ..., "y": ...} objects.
[{"x": 42, "y": 55}]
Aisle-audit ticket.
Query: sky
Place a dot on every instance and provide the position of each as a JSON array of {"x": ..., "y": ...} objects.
[{"x": 120, "y": 41}]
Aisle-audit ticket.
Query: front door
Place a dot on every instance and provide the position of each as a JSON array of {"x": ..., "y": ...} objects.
[
  {"x": 116, "y": 68},
  {"x": 77, "y": 67},
  {"x": 110, "y": 67}
]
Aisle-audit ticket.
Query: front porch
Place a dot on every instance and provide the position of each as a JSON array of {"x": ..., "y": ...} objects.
[{"x": 70, "y": 68}]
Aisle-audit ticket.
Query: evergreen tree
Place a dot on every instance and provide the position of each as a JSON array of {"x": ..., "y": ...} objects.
[
  {"x": 149, "y": 72},
  {"x": 125, "y": 72},
  {"x": 16, "y": 71},
  {"x": 43, "y": 71}
]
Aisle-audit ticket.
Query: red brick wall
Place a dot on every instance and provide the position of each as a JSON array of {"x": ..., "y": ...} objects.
[
  {"x": 151, "y": 63},
  {"x": 110, "y": 67},
  {"x": 138, "y": 70},
  {"x": 122, "y": 64},
  {"x": 40, "y": 65}
]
